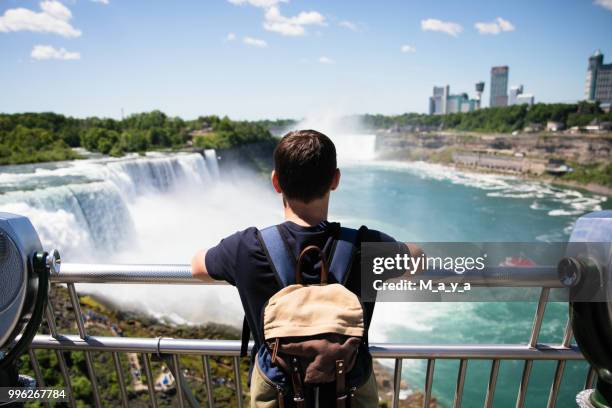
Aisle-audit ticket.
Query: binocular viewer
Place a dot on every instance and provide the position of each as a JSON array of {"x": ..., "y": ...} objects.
[{"x": 586, "y": 268}]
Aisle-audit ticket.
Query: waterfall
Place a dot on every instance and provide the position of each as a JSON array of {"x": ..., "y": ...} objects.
[
  {"x": 84, "y": 206},
  {"x": 355, "y": 147}
]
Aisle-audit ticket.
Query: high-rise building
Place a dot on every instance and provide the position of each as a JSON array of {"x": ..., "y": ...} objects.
[
  {"x": 598, "y": 85},
  {"x": 437, "y": 102},
  {"x": 499, "y": 86},
  {"x": 442, "y": 102},
  {"x": 517, "y": 97}
]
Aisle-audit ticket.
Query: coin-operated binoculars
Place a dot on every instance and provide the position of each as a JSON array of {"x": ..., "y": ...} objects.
[
  {"x": 588, "y": 270},
  {"x": 24, "y": 285}
]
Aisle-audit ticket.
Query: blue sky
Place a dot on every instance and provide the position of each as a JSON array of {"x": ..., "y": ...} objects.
[{"x": 294, "y": 58}]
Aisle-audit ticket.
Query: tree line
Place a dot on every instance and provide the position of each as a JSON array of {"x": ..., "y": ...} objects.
[
  {"x": 499, "y": 119},
  {"x": 38, "y": 137}
]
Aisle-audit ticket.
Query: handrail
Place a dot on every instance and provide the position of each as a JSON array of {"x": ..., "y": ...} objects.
[
  {"x": 497, "y": 276},
  {"x": 230, "y": 348}
]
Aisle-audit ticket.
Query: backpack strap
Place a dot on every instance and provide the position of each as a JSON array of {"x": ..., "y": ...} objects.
[
  {"x": 282, "y": 265},
  {"x": 278, "y": 254},
  {"x": 343, "y": 254}
]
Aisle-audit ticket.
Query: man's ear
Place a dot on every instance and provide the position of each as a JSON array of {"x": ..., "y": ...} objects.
[
  {"x": 335, "y": 180},
  {"x": 275, "y": 183}
]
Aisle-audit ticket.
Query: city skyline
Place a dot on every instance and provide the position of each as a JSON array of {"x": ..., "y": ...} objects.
[{"x": 278, "y": 58}]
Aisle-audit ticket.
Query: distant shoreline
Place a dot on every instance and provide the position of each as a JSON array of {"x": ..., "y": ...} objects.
[{"x": 590, "y": 187}]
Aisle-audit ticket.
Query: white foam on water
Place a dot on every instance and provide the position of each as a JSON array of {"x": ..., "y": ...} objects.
[{"x": 555, "y": 200}]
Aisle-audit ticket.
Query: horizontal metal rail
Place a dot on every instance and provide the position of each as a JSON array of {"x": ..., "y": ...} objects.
[
  {"x": 231, "y": 348},
  {"x": 498, "y": 276}
]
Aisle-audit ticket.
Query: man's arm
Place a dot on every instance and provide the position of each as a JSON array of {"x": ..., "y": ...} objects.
[
  {"x": 198, "y": 267},
  {"x": 415, "y": 252}
]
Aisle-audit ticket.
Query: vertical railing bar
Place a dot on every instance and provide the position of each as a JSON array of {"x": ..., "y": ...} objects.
[
  {"x": 74, "y": 299},
  {"x": 50, "y": 315},
  {"x": 554, "y": 388},
  {"x": 460, "y": 383},
  {"x": 178, "y": 380},
  {"x": 40, "y": 381},
  {"x": 428, "y": 382},
  {"x": 238, "y": 381},
  {"x": 150, "y": 380},
  {"x": 397, "y": 382},
  {"x": 567, "y": 334},
  {"x": 590, "y": 379},
  {"x": 520, "y": 399},
  {"x": 66, "y": 376},
  {"x": 538, "y": 317},
  {"x": 492, "y": 384},
  {"x": 208, "y": 380},
  {"x": 120, "y": 379}
]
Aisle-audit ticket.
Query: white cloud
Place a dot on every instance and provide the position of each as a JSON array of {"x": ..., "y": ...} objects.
[
  {"x": 255, "y": 42},
  {"x": 326, "y": 60},
  {"x": 53, "y": 18},
  {"x": 257, "y": 3},
  {"x": 291, "y": 26},
  {"x": 105, "y": 2},
  {"x": 604, "y": 3},
  {"x": 274, "y": 21},
  {"x": 448, "y": 27},
  {"x": 406, "y": 48},
  {"x": 230, "y": 37},
  {"x": 494, "y": 27},
  {"x": 349, "y": 25},
  {"x": 45, "y": 52}
]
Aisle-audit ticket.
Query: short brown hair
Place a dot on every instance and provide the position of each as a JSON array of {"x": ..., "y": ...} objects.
[{"x": 305, "y": 163}]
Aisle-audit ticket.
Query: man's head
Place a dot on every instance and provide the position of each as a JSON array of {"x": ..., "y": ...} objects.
[{"x": 305, "y": 166}]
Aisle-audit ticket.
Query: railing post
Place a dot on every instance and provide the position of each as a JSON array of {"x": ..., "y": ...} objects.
[
  {"x": 492, "y": 384},
  {"x": 150, "y": 380},
  {"x": 74, "y": 299},
  {"x": 40, "y": 381},
  {"x": 178, "y": 380},
  {"x": 533, "y": 341},
  {"x": 554, "y": 388},
  {"x": 590, "y": 379},
  {"x": 428, "y": 382},
  {"x": 120, "y": 379},
  {"x": 50, "y": 317},
  {"x": 397, "y": 382},
  {"x": 208, "y": 380},
  {"x": 460, "y": 383},
  {"x": 238, "y": 381}
]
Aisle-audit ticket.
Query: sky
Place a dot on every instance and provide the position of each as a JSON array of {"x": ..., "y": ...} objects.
[{"x": 256, "y": 59}]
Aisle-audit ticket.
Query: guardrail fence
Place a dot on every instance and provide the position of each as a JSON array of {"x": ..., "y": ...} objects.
[{"x": 169, "y": 350}]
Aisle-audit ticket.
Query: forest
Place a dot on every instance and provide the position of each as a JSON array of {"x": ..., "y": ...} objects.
[{"x": 40, "y": 137}]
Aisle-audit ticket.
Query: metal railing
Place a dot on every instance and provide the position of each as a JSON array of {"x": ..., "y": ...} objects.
[{"x": 169, "y": 349}]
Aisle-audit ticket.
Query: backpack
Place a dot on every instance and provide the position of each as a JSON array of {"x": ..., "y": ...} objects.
[{"x": 311, "y": 333}]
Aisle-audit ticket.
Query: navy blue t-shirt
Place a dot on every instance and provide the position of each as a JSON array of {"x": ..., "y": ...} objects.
[{"x": 241, "y": 261}]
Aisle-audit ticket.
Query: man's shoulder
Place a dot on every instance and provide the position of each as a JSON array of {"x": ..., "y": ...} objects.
[{"x": 372, "y": 235}]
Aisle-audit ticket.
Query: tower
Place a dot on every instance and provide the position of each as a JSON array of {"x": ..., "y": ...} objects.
[
  {"x": 499, "y": 86},
  {"x": 479, "y": 90}
]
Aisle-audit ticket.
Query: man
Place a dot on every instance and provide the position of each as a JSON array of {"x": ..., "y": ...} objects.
[{"x": 305, "y": 173}]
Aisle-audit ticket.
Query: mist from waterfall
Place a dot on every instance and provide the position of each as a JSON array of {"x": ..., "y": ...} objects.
[
  {"x": 155, "y": 209},
  {"x": 353, "y": 143}
]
